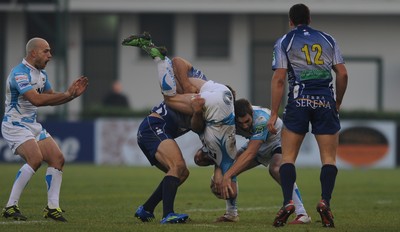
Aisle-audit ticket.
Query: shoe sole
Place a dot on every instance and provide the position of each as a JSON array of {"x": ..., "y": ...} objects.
[
  {"x": 176, "y": 220},
  {"x": 282, "y": 218},
  {"x": 57, "y": 220},
  {"x": 327, "y": 220},
  {"x": 299, "y": 223},
  {"x": 144, "y": 219},
  {"x": 15, "y": 218},
  {"x": 126, "y": 41},
  {"x": 224, "y": 219}
]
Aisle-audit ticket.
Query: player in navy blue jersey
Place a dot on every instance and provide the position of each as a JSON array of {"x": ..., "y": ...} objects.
[
  {"x": 209, "y": 104},
  {"x": 156, "y": 138},
  {"x": 307, "y": 57}
]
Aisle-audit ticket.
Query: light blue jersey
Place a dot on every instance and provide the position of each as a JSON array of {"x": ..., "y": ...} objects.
[
  {"x": 19, "y": 121},
  {"x": 271, "y": 142},
  {"x": 23, "y": 78},
  {"x": 308, "y": 55},
  {"x": 259, "y": 129}
]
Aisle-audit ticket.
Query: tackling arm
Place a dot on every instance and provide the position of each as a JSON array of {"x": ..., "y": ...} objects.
[
  {"x": 181, "y": 68},
  {"x": 242, "y": 163},
  {"x": 197, "y": 120}
]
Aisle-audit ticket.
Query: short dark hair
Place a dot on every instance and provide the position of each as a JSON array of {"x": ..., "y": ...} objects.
[
  {"x": 299, "y": 14},
  {"x": 232, "y": 91},
  {"x": 243, "y": 107}
]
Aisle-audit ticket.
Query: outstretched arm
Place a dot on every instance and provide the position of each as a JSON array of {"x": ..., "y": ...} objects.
[
  {"x": 54, "y": 98},
  {"x": 242, "y": 163}
]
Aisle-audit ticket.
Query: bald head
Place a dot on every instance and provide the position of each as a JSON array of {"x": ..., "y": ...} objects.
[
  {"x": 34, "y": 43},
  {"x": 38, "y": 52}
]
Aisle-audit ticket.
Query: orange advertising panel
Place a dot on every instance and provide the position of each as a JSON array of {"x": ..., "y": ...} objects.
[{"x": 362, "y": 155}]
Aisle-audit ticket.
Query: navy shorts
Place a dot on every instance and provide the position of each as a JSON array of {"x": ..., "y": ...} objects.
[
  {"x": 320, "y": 111},
  {"x": 150, "y": 134}
]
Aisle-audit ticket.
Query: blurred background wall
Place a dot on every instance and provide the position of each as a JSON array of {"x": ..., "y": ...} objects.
[{"x": 230, "y": 41}]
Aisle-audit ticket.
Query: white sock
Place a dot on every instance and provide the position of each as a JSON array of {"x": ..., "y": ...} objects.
[
  {"x": 298, "y": 202},
  {"x": 231, "y": 204},
  {"x": 166, "y": 77},
  {"x": 53, "y": 181},
  {"x": 231, "y": 207},
  {"x": 23, "y": 176}
]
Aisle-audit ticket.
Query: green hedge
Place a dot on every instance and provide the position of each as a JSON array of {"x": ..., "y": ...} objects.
[{"x": 370, "y": 115}]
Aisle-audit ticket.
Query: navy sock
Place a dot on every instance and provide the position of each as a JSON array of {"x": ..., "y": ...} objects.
[
  {"x": 288, "y": 176},
  {"x": 170, "y": 187},
  {"x": 154, "y": 199},
  {"x": 328, "y": 178}
]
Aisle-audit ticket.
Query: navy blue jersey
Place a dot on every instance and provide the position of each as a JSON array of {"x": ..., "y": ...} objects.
[
  {"x": 308, "y": 55},
  {"x": 176, "y": 123},
  {"x": 196, "y": 73}
]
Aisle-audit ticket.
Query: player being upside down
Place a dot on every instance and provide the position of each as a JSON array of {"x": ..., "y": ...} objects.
[{"x": 210, "y": 105}]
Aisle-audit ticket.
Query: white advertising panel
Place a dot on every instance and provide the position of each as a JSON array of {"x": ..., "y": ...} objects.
[{"x": 366, "y": 144}]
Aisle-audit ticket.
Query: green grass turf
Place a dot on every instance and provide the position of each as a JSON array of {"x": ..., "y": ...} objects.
[{"x": 104, "y": 198}]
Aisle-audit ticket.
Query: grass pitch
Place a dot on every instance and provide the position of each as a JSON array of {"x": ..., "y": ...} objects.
[{"x": 104, "y": 198}]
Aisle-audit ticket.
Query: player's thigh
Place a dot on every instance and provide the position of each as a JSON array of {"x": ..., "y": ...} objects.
[
  {"x": 52, "y": 154},
  {"x": 30, "y": 152},
  {"x": 291, "y": 143},
  {"x": 327, "y": 147},
  {"x": 170, "y": 155}
]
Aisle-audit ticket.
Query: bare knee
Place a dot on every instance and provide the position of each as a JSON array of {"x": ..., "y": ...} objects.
[
  {"x": 274, "y": 172},
  {"x": 56, "y": 161},
  {"x": 180, "y": 171},
  {"x": 35, "y": 163},
  {"x": 274, "y": 167},
  {"x": 184, "y": 175}
]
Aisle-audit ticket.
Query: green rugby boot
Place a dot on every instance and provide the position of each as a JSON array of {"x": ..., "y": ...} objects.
[{"x": 140, "y": 40}]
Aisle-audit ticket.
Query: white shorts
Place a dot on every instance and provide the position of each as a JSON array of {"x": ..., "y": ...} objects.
[
  {"x": 264, "y": 154},
  {"x": 218, "y": 104},
  {"x": 16, "y": 133}
]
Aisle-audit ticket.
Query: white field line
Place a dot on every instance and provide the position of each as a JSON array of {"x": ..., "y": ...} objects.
[
  {"x": 22, "y": 222},
  {"x": 272, "y": 208}
]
